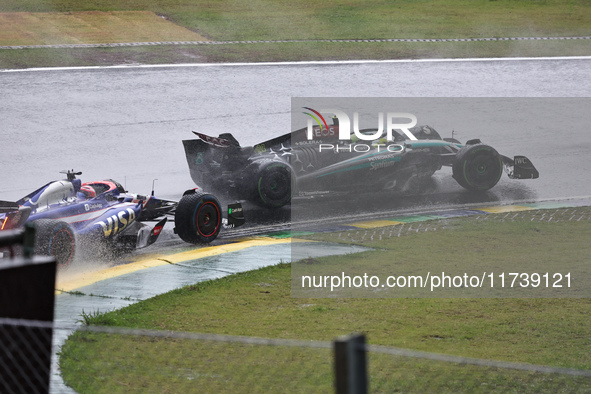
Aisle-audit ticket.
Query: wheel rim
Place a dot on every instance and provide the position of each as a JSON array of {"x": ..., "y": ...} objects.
[
  {"x": 207, "y": 219},
  {"x": 275, "y": 187},
  {"x": 483, "y": 171}
]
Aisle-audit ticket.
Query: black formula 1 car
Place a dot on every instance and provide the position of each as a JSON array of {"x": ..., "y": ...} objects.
[
  {"x": 270, "y": 172},
  {"x": 69, "y": 212}
]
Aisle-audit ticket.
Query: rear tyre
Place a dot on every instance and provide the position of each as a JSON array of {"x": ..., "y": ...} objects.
[
  {"x": 477, "y": 167},
  {"x": 274, "y": 183},
  {"x": 57, "y": 239},
  {"x": 198, "y": 218}
]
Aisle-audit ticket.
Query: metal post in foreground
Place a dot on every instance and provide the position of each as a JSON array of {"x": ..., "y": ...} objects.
[
  {"x": 350, "y": 365},
  {"x": 27, "y": 290}
]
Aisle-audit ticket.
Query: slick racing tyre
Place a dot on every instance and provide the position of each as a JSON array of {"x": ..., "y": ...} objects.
[
  {"x": 477, "y": 167},
  {"x": 55, "y": 238},
  {"x": 274, "y": 183},
  {"x": 198, "y": 218}
]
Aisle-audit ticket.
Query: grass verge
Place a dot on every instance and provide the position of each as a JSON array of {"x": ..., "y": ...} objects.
[
  {"x": 306, "y": 20},
  {"x": 552, "y": 332},
  {"x": 26, "y": 28},
  {"x": 269, "y": 52},
  {"x": 481, "y": 247}
]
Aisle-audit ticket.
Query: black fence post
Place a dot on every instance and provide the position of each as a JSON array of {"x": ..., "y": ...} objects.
[
  {"x": 350, "y": 365},
  {"x": 27, "y": 292}
]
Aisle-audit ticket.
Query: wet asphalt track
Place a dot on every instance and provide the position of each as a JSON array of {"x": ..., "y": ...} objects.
[{"x": 127, "y": 124}]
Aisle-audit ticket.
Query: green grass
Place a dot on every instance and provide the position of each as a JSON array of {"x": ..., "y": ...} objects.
[
  {"x": 24, "y": 58},
  {"x": 305, "y": 19},
  {"x": 552, "y": 332},
  {"x": 89, "y": 28},
  {"x": 474, "y": 247},
  {"x": 348, "y": 19}
]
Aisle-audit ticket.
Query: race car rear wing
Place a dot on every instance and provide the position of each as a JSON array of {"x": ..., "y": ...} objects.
[
  {"x": 520, "y": 167},
  {"x": 8, "y": 206},
  {"x": 208, "y": 157}
]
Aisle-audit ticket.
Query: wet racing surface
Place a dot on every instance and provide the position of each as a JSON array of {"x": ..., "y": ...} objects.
[{"x": 128, "y": 123}]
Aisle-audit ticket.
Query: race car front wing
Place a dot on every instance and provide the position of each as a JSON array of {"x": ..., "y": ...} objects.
[{"x": 520, "y": 167}]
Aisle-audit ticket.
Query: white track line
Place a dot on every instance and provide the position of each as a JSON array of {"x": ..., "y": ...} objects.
[{"x": 302, "y": 63}]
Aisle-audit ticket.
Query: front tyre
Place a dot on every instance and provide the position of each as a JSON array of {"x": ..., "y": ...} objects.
[
  {"x": 477, "y": 167},
  {"x": 198, "y": 218},
  {"x": 56, "y": 239}
]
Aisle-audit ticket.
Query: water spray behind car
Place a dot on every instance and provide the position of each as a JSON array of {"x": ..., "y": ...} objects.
[{"x": 68, "y": 214}]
